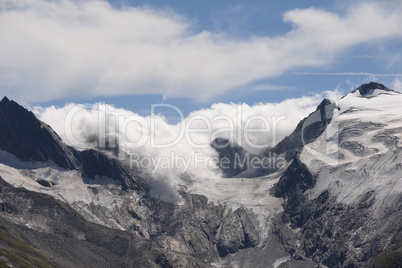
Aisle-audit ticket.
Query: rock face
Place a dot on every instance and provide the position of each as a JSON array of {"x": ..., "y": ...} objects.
[
  {"x": 230, "y": 239},
  {"x": 339, "y": 235},
  {"x": 94, "y": 163},
  {"x": 231, "y": 157},
  {"x": 63, "y": 237},
  {"x": 29, "y": 139},
  {"x": 291, "y": 187},
  {"x": 190, "y": 235},
  {"x": 308, "y": 130},
  {"x": 197, "y": 227},
  {"x": 365, "y": 89}
]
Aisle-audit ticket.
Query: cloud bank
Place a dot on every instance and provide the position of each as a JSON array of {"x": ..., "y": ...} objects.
[
  {"x": 155, "y": 144},
  {"x": 64, "y": 48}
]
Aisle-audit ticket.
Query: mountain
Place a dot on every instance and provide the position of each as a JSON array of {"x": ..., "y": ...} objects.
[
  {"x": 335, "y": 200},
  {"x": 341, "y": 185},
  {"x": 308, "y": 130},
  {"x": 344, "y": 193},
  {"x": 373, "y": 89},
  {"x": 85, "y": 208},
  {"x": 30, "y": 140}
]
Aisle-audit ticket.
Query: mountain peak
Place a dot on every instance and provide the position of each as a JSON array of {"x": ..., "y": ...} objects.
[
  {"x": 367, "y": 90},
  {"x": 371, "y": 90},
  {"x": 11, "y": 108},
  {"x": 26, "y": 137}
]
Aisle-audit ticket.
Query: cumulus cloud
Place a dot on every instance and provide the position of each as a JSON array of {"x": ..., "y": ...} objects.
[
  {"x": 64, "y": 48},
  {"x": 179, "y": 154}
]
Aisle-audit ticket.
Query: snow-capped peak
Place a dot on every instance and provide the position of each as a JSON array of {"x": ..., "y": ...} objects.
[
  {"x": 359, "y": 152},
  {"x": 371, "y": 90}
]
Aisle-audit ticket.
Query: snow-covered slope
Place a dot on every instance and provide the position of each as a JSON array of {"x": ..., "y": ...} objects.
[
  {"x": 343, "y": 192},
  {"x": 360, "y": 150}
]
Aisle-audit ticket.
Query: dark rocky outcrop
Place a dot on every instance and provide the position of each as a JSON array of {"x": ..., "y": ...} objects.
[
  {"x": 231, "y": 157},
  {"x": 95, "y": 163},
  {"x": 291, "y": 186},
  {"x": 336, "y": 234},
  {"x": 308, "y": 130},
  {"x": 366, "y": 89},
  {"x": 353, "y": 128},
  {"x": 29, "y": 139},
  {"x": 357, "y": 149},
  {"x": 237, "y": 232}
]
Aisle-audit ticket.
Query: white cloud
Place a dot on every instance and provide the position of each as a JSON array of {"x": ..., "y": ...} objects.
[
  {"x": 80, "y": 126},
  {"x": 397, "y": 85},
  {"x": 56, "y": 49}
]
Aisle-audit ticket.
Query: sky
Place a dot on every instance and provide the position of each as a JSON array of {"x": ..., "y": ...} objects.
[{"x": 194, "y": 53}]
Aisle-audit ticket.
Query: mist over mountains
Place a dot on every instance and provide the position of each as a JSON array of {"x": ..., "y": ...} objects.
[{"x": 156, "y": 139}]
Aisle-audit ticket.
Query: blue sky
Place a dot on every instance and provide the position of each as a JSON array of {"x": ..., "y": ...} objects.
[{"x": 194, "y": 53}]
